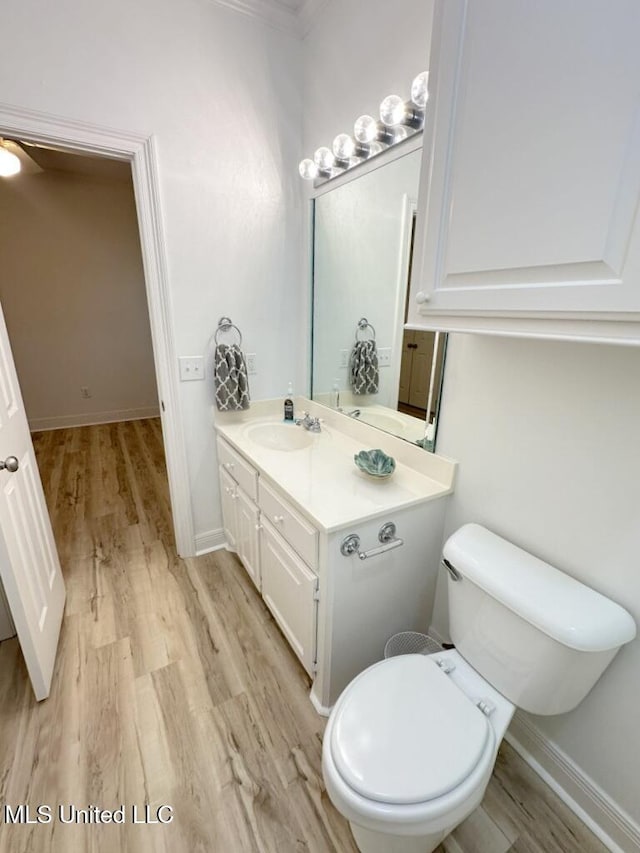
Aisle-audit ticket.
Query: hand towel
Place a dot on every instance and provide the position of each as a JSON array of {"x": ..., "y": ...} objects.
[
  {"x": 363, "y": 368},
  {"x": 230, "y": 377}
]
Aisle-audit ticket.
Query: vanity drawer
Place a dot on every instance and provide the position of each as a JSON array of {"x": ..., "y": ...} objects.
[
  {"x": 244, "y": 474},
  {"x": 289, "y": 523}
]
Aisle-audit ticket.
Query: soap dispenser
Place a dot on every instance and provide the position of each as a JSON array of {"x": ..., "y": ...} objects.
[{"x": 288, "y": 404}]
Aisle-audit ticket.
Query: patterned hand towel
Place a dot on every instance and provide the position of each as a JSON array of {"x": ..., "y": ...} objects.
[
  {"x": 230, "y": 377},
  {"x": 363, "y": 368}
]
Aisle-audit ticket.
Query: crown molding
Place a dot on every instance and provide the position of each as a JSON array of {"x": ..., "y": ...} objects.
[{"x": 295, "y": 17}]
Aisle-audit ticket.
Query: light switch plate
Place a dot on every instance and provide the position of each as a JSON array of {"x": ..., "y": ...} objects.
[
  {"x": 191, "y": 367},
  {"x": 384, "y": 356},
  {"x": 251, "y": 363},
  {"x": 344, "y": 358}
]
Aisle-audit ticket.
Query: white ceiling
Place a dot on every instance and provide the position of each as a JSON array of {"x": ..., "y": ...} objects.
[{"x": 293, "y": 16}]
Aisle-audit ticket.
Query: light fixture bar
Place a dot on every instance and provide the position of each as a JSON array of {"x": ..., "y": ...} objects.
[{"x": 371, "y": 136}]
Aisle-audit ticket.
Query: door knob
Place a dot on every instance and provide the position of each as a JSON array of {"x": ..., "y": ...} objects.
[{"x": 11, "y": 464}]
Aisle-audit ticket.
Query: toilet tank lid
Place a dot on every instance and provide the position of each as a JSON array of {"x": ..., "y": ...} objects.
[{"x": 550, "y": 600}]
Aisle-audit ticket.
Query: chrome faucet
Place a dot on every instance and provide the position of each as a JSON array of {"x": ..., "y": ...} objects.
[
  {"x": 354, "y": 414},
  {"x": 309, "y": 423}
]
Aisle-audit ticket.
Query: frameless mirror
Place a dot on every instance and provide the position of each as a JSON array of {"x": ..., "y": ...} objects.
[{"x": 362, "y": 244}]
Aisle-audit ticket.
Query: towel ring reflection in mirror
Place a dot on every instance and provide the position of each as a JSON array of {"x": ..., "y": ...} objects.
[{"x": 225, "y": 325}]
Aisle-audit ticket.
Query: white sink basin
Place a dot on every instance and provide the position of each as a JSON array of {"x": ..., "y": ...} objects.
[{"x": 276, "y": 436}]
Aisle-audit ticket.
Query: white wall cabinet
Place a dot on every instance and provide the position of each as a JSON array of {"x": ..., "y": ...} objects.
[{"x": 529, "y": 218}]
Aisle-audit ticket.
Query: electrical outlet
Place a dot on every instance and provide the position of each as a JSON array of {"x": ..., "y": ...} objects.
[
  {"x": 84, "y": 392},
  {"x": 251, "y": 363},
  {"x": 344, "y": 358},
  {"x": 191, "y": 367},
  {"x": 384, "y": 356}
]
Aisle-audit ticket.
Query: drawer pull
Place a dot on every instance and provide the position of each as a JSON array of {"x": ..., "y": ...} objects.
[
  {"x": 386, "y": 535},
  {"x": 278, "y": 519}
]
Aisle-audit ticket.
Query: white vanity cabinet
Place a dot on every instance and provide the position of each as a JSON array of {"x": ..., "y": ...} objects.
[
  {"x": 240, "y": 513},
  {"x": 529, "y": 217},
  {"x": 336, "y": 605},
  {"x": 289, "y": 589},
  {"x": 277, "y": 546}
]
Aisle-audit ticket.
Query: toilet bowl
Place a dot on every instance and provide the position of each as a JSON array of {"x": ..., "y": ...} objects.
[
  {"x": 409, "y": 750},
  {"x": 411, "y": 743}
]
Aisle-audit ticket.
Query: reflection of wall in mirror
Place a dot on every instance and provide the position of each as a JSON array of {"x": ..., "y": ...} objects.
[{"x": 358, "y": 253}]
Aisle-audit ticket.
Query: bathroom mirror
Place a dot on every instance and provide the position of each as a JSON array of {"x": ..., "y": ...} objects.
[{"x": 362, "y": 249}]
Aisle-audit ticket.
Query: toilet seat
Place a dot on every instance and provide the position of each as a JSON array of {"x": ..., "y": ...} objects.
[{"x": 402, "y": 733}]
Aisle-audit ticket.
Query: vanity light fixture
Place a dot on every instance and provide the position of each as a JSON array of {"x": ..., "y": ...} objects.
[
  {"x": 398, "y": 119},
  {"x": 9, "y": 162}
]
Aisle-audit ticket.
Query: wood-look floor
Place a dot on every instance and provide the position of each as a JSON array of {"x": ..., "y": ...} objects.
[{"x": 174, "y": 686}]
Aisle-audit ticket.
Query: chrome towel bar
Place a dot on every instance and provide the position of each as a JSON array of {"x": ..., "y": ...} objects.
[{"x": 386, "y": 535}]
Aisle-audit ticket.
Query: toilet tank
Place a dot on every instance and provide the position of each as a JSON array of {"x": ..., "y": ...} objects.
[{"x": 539, "y": 636}]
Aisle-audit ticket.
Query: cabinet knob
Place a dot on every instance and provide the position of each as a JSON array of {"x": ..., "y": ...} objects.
[
  {"x": 422, "y": 297},
  {"x": 258, "y": 527},
  {"x": 278, "y": 519},
  {"x": 229, "y": 466}
]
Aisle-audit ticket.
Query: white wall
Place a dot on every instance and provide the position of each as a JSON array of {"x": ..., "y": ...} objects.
[
  {"x": 221, "y": 93},
  {"x": 73, "y": 295},
  {"x": 361, "y": 236},
  {"x": 546, "y": 434}
]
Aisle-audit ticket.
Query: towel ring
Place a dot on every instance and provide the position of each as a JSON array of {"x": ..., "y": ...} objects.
[
  {"x": 225, "y": 325},
  {"x": 363, "y": 325}
]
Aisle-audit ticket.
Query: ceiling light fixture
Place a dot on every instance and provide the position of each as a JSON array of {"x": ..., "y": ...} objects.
[
  {"x": 9, "y": 163},
  {"x": 398, "y": 119}
]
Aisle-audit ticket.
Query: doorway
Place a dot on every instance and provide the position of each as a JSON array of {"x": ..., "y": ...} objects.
[{"x": 140, "y": 151}]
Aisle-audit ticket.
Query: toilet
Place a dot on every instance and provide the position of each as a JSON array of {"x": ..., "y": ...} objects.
[{"x": 411, "y": 743}]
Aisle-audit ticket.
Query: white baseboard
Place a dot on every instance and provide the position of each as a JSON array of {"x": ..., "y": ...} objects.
[
  {"x": 321, "y": 709},
  {"x": 212, "y": 540},
  {"x": 613, "y": 826},
  {"x": 68, "y": 421}
]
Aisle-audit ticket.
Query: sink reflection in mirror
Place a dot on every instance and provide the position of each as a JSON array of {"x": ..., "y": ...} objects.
[{"x": 363, "y": 245}]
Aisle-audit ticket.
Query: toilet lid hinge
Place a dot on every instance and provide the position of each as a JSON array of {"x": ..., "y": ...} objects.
[{"x": 486, "y": 707}]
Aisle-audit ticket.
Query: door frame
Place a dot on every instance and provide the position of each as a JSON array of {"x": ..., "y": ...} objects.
[{"x": 141, "y": 152}]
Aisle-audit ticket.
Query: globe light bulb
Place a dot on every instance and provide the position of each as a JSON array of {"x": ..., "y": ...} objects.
[
  {"x": 365, "y": 129},
  {"x": 9, "y": 163},
  {"x": 308, "y": 169},
  {"x": 324, "y": 159},
  {"x": 343, "y": 146},
  {"x": 392, "y": 110},
  {"x": 420, "y": 89},
  {"x": 400, "y": 133}
]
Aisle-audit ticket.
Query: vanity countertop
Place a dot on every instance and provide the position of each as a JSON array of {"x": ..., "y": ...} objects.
[{"x": 322, "y": 479}]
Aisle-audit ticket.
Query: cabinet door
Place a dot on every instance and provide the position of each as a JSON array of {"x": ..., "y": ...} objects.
[
  {"x": 288, "y": 588},
  {"x": 531, "y": 170},
  {"x": 228, "y": 500},
  {"x": 248, "y": 542}
]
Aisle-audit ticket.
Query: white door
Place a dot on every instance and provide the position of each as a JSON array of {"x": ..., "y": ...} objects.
[
  {"x": 29, "y": 565},
  {"x": 531, "y": 163}
]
